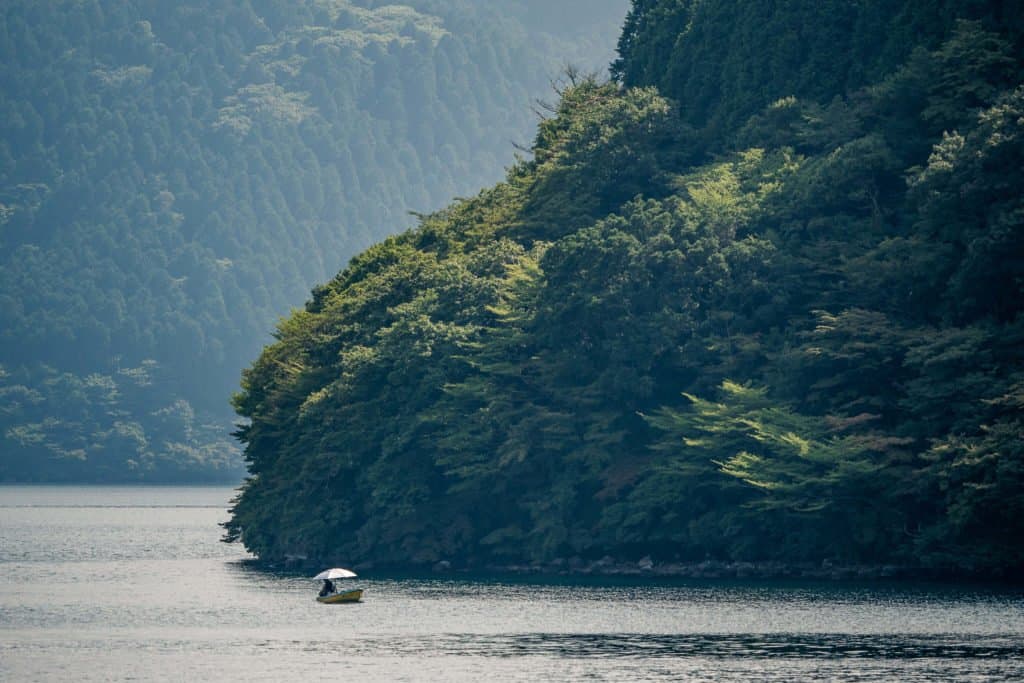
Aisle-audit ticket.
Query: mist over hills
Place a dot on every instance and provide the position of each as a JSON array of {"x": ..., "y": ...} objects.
[{"x": 176, "y": 176}]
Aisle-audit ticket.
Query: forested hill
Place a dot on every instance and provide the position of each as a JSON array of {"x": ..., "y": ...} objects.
[
  {"x": 794, "y": 335},
  {"x": 176, "y": 176}
]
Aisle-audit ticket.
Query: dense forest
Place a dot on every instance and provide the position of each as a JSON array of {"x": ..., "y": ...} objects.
[
  {"x": 757, "y": 297},
  {"x": 176, "y": 176}
]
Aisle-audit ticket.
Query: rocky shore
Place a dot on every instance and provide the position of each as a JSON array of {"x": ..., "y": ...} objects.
[
  {"x": 826, "y": 570},
  {"x": 712, "y": 569}
]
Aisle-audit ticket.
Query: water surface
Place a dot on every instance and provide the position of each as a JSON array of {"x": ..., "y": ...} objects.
[{"x": 122, "y": 583}]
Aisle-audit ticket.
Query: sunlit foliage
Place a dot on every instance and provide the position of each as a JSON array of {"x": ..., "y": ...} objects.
[{"x": 775, "y": 318}]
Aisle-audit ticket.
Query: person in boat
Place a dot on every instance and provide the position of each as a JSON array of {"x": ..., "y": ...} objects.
[{"x": 328, "y": 588}]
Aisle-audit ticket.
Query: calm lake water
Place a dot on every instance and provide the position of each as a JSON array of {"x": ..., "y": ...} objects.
[{"x": 107, "y": 583}]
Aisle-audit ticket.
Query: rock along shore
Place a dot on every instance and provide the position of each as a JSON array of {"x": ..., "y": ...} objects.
[
  {"x": 826, "y": 570},
  {"x": 712, "y": 569}
]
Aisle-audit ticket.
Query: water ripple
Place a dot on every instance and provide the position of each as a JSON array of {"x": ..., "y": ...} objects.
[{"x": 647, "y": 646}]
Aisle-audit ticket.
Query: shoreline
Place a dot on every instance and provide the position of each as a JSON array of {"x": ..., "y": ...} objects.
[
  {"x": 608, "y": 567},
  {"x": 768, "y": 570}
]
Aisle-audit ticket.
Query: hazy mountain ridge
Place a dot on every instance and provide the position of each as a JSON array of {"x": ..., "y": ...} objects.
[{"x": 174, "y": 177}]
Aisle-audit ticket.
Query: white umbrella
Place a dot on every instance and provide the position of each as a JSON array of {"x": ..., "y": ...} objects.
[{"x": 336, "y": 573}]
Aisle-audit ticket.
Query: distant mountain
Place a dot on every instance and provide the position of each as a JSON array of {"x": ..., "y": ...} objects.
[
  {"x": 758, "y": 299},
  {"x": 174, "y": 176}
]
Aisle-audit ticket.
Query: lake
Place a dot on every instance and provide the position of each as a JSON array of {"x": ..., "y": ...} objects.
[{"x": 132, "y": 583}]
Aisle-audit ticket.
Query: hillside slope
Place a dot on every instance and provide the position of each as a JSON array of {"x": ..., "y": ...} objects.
[
  {"x": 797, "y": 340},
  {"x": 175, "y": 176}
]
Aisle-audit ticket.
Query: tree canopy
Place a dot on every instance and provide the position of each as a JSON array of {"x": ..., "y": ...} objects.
[{"x": 758, "y": 298}]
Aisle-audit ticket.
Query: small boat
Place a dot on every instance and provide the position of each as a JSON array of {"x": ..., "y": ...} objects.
[
  {"x": 330, "y": 595},
  {"x": 343, "y": 596}
]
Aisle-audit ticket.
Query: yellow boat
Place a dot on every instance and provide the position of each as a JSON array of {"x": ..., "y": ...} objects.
[
  {"x": 341, "y": 597},
  {"x": 330, "y": 595}
]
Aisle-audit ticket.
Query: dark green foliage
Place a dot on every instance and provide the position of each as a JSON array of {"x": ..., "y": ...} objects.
[
  {"x": 723, "y": 61},
  {"x": 809, "y": 481},
  {"x": 796, "y": 334},
  {"x": 601, "y": 149},
  {"x": 174, "y": 176}
]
